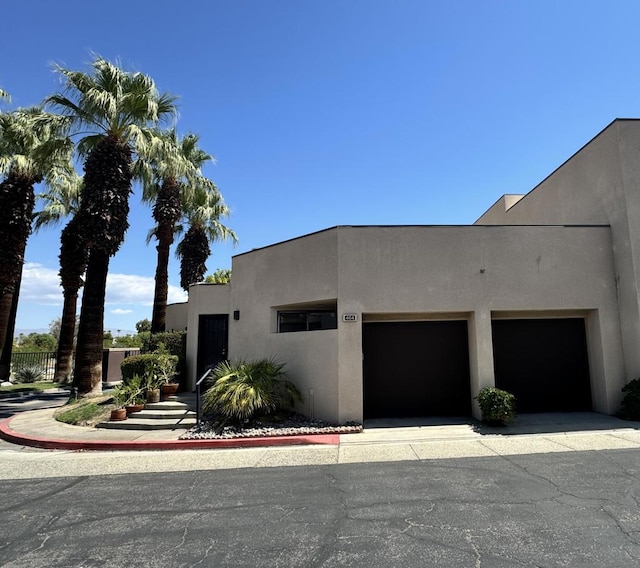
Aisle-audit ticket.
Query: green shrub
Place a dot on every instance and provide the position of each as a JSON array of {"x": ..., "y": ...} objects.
[
  {"x": 154, "y": 368},
  {"x": 630, "y": 406},
  {"x": 172, "y": 342},
  {"x": 29, "y": 375},
  {"x": 497, "y": 406},
  {"x": 247, "y": 389}
]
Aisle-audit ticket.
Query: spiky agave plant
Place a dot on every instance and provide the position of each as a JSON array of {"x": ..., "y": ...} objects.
[{"x": 243, "y": 390}]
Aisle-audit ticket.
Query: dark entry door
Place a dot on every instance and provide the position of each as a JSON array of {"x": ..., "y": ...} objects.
[
  {"x": 212, "y": 341},
  {"x": 414, "y": 369},
  {"x": 544, "y": 363}
]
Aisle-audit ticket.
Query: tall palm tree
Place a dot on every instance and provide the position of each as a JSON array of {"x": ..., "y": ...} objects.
[
  {"x": 60, "y": 202},
  {"x": 73, "y": 264},
  {"x": 33, "y": 148},
  {"x": 112, "y": 110},
  {"x": 168, "y": 171},
  {"x": 202, "y": 212}
]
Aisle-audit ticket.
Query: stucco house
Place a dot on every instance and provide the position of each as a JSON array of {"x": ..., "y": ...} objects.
[{"x": 540, "y": 297}]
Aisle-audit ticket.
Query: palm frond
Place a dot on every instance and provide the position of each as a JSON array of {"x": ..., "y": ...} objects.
[
  {"x": 111, "y": 101},
  {"x": 61, "y": 199},
  {"x": 34, "y": 142}
]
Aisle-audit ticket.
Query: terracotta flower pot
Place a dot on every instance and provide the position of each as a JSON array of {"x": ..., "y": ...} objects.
[
  {"x": 118, "y": 414},
  {"x": 168, "y": 390},
  {"x": 131, "y": 408}
]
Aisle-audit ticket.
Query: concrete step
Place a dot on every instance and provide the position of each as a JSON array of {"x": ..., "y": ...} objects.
[
  {"x": 168, "y": 405},
  {"x": 148, "y": 424},
  {"x": 164, "y": 414}
]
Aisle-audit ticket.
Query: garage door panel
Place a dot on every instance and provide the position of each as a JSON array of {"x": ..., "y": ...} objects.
[
  {"x": 416, "y": 369},
  {"x": 544, "y": 363}
]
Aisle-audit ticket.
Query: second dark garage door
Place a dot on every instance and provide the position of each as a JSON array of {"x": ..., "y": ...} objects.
[
  {"x": 414, "y": 369},
  {"x": 543, "y": 362}
]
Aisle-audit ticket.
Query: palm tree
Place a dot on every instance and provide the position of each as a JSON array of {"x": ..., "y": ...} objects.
[
  {"x": 73, "y": 264},
  {"x": 202, "y": 213},
  {"x": 168, "y": 172},
  {"x": 112, "y": 110},
  {"x": 33, "y": 148},
  {"x": 62, "y": 202}
]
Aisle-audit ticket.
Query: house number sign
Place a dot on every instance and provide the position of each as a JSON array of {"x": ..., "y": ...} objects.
[{"x": 349, "y": 317}]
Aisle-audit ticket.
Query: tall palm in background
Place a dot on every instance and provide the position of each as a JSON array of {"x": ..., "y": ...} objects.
[
  {"x": 60, "y": 202},
  {"x": 202, "y": 213},
  {"x": 168, "y": 172},
  {"x": 116, "y": 108},
  {"x": 34, "y": 148}
]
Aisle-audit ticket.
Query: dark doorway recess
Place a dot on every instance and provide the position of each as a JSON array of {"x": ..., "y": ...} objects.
[
  {"x": 544, "y": 363},
  {"x": 414, "y": 369},
  {"x": 212, "y": 341}
]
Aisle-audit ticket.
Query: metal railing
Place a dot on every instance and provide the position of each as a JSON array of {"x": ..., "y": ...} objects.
[
  {"x": 45, "y": 360},
  {"x": 198, "y": 394}
]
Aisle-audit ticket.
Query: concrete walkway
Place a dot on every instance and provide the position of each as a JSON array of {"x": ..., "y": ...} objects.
[{"x": 381, "y": 440}]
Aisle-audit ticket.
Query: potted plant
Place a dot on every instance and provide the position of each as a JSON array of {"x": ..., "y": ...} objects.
[
  {"x": 498, "y": 407},
  {"x": 151, "y": 387},
  {"x": 134, "y": 390},
  {"x": 120, "y": 397},
  {"x": 165, "y": 370}
]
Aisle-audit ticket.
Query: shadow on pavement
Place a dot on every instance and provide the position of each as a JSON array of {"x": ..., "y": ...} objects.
[{"x": 540, "y": 423}]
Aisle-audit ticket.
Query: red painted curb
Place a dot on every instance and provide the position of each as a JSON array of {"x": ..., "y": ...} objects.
[{"x": 109, "y": 445}]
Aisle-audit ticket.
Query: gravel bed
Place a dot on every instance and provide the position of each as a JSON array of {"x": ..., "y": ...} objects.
[{"x": 293, "y": 425}]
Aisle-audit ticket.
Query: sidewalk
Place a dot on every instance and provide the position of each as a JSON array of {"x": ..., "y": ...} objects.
[{"x": 381, "y": 440}]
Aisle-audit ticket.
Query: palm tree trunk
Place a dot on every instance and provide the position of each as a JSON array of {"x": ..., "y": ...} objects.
[
  {"x": 7, "y": 350},
  {"x": 64, "y": 356},
  {"x": 166, "y": 212},
  {"x": 161, "y": 291},
  {"x": 6, "y": 300},
  {"x": 88, "y": 368},
  {"x": 17, "y": 200}
]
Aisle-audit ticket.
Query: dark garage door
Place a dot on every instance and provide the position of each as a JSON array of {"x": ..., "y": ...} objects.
[
  {"x": 414, "y": 369},
  {"x": 544, "y": 363}
]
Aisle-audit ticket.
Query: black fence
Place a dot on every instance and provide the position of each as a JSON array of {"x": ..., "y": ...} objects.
[{"x": 44, "y": 360}]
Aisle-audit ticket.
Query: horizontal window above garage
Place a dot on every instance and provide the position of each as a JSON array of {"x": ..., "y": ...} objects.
[{"x": 306, "y": 320}]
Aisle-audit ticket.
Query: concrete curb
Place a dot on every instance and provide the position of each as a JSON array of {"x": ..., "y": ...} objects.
[{"x": 10, "y": 435}]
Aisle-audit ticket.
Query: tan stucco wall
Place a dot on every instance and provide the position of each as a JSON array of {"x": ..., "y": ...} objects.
[
  {"x": 204, "y": 299},
  {"x": 472, "y": 273},
  {"x": 600, "y": 184},
  {"x": 176, "y": 316},
  {"x": 475, "y": 272},
  {"x": 524, "y": 263}
]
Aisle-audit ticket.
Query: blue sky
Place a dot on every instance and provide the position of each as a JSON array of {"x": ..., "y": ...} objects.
[{"x": 336, "y": 112}]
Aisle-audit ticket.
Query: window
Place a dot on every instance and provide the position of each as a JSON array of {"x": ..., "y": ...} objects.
[{"x": 306, "y": 320}]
